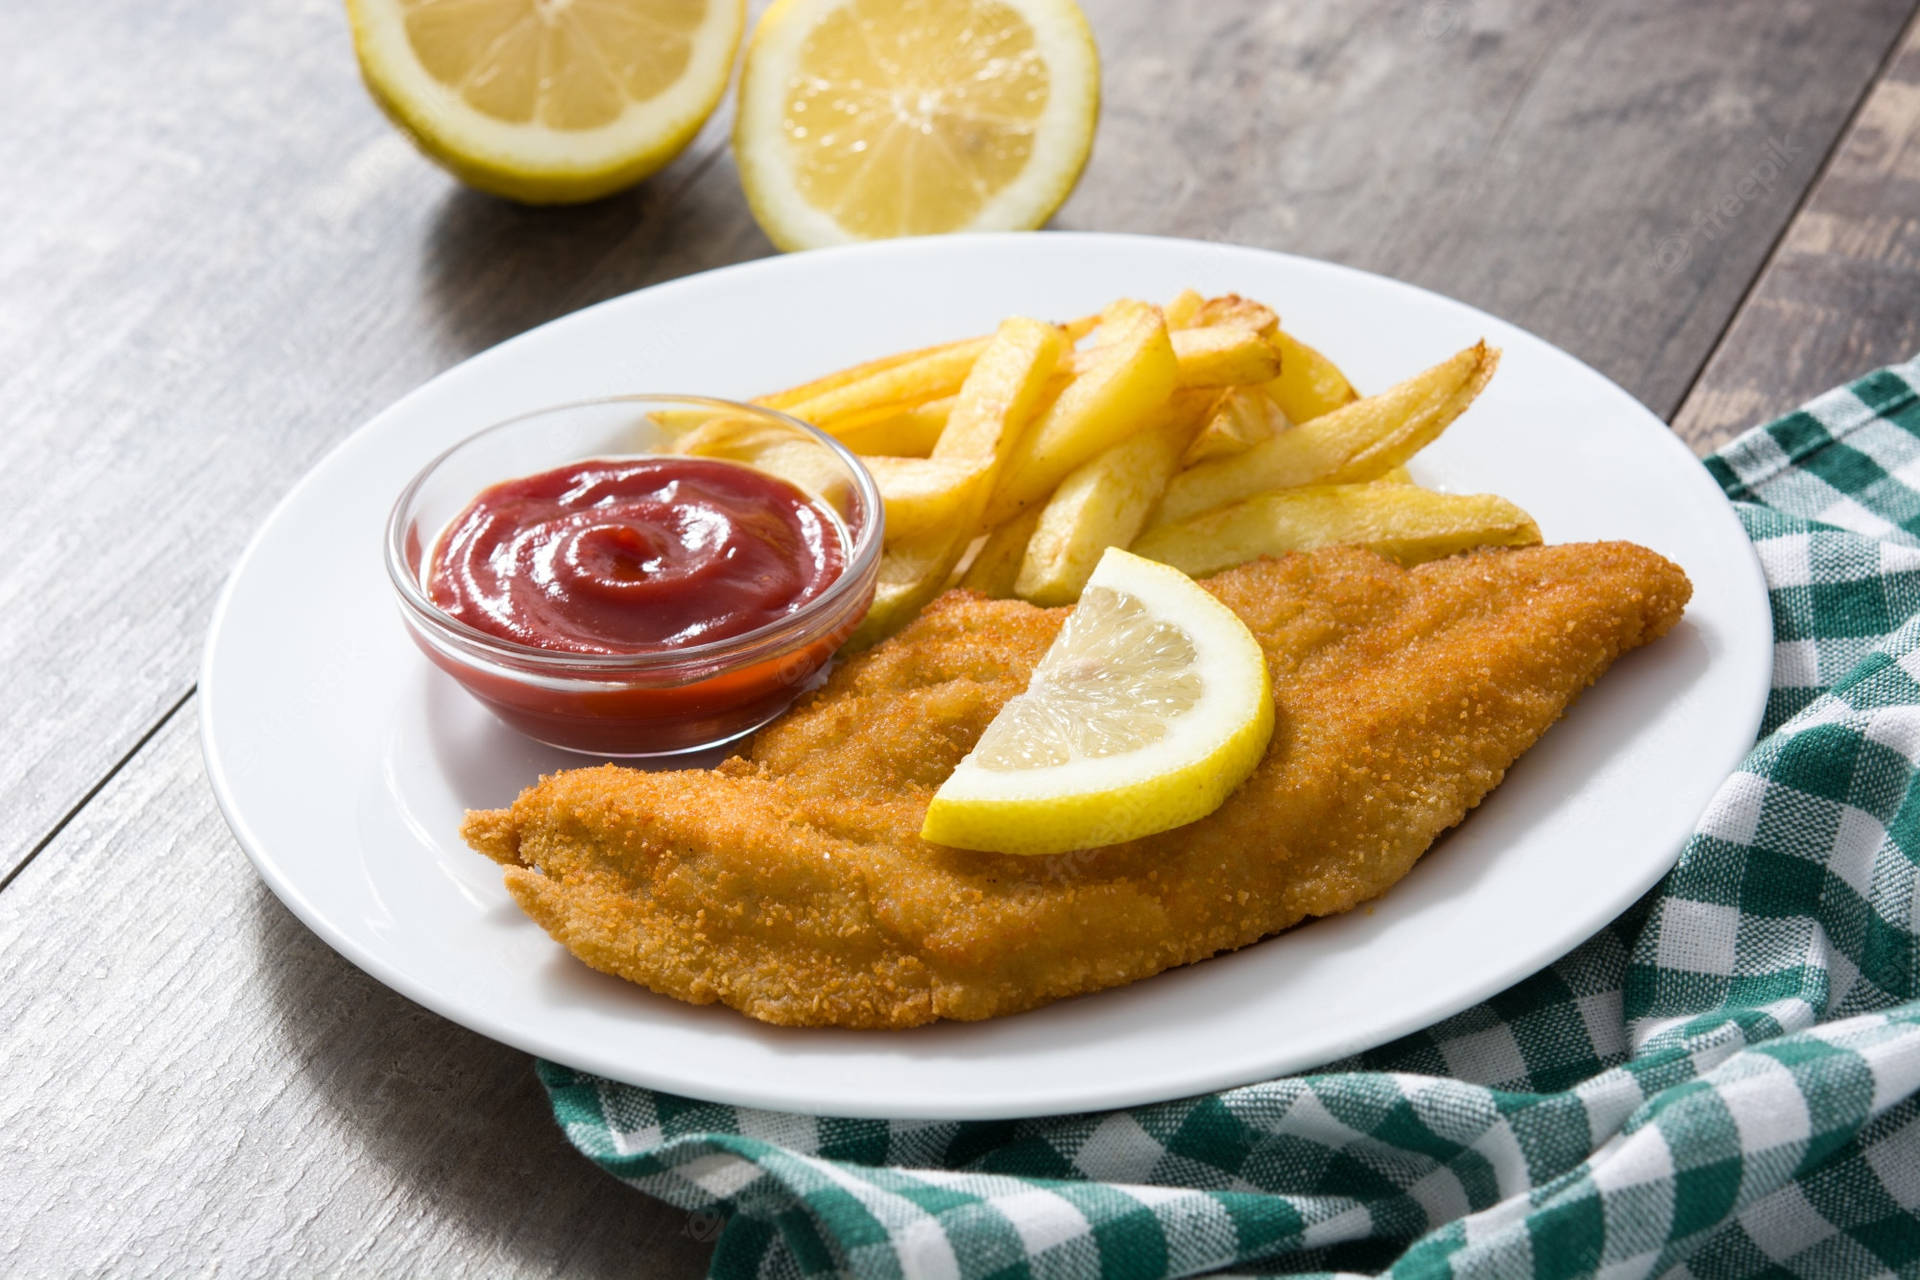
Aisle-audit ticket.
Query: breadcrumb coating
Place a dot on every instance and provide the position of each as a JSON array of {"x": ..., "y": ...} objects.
[{"x": 791, "y": 883}]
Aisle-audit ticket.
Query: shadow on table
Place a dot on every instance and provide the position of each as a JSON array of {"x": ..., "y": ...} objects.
[
  {"x": 460, "y": 1122},
  {"x": 494, "y": 269}
]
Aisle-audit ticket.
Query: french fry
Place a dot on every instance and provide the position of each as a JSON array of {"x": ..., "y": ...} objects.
[
  {"x": 996, "y": 566},
  {"x": 1126, "y": 386},
  {"x": 1406, "y": 523},
  {"x": 1221, "y": 356},
  {"x": 920, "y": 493},
  {"x": 1225, "y": 355},
  {"x": 776, "y": 450},
  {"x": 1074, "y": 330},
  {"x": 1238, "y": 419},
  {"x": 912, "y": 571},
  {"x": 1232, "y": 309},
  {"x": 872, "y": 383},
  {"x": 715, "y": 435},
  {"x": 1103, "y": 503},
  {"x": 1189, "y": 310},
  {"x": 993, "y": 410},
  {"x": 896, "y": 430},
  {"x": 1360, "y": 441},
  {"x": 1202, "y": 433},
  {"x": 1309, "y": 384},
  {"x": 1000, "y": 395},
  {"x": 937, "y": 372},
  {"x": 1181, "y": 311},
  {"x": 784, "y": 400}
]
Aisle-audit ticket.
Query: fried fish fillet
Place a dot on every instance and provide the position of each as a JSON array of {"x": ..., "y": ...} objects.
[{"x": 792, "y": 884}]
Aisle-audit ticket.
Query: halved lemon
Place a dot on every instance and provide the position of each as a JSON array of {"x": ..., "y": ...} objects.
[
  {"x": 864, "y": 119},
  {"x": 1151, "y": 706},
  {"x": 548, "y": 101}
]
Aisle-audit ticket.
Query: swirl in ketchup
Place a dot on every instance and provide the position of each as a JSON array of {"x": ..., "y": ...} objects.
[{"x": 634, "y": 555}]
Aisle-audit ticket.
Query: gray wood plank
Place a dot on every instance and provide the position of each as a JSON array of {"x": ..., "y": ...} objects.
[
  {"x": 229, "y": 259},
  {"x": 1609, "y": 176},
  {"x": 1841, "y": 294},
  {"x": 223, "y": 272},
  {"x": 219, "y": 276},
  {"x": 195, "y": 1083}
]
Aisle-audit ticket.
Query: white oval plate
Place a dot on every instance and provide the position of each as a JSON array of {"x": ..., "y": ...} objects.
[{"x": 344, "y": 762}]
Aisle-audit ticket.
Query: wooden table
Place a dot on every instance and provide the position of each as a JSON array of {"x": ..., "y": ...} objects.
[{"x": 216, "y": 260}]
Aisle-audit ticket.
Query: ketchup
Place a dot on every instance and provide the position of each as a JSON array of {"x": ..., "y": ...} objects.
[{"x": 634, "y": 555}]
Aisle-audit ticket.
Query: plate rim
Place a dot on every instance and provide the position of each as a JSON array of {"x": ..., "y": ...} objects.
[{"x": 1134, "y": 1091}]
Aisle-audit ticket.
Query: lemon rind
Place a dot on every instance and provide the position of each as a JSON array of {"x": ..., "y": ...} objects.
[
  {"x": 1090, "y": 820},
  {"x": 530, "y": 162},
  {"x": 1063, "y": 139}
]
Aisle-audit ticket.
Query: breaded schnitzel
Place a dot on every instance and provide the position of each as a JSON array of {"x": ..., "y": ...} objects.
[{"x": 792, "y": 885}]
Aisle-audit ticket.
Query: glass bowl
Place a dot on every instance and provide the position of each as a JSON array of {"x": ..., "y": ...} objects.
[{"x": 643, "y": 704}]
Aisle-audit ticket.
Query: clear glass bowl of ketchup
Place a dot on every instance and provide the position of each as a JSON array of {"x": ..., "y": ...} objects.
[{"x": 637, "y": 576}]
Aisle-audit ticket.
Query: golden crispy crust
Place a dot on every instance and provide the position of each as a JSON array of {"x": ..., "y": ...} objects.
[{"x": 792, "y": 885}]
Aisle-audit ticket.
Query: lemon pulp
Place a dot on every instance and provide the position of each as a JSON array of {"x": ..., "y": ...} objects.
[
  {"x": 548, "y": 100},
  {"x": 1109, "y": 687},
  {"x": 864, "y": 119},
  {"x": 1149, "y": 708}
]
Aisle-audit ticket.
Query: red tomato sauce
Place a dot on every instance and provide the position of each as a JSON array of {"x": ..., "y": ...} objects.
[{"x": 634, "y": 555}]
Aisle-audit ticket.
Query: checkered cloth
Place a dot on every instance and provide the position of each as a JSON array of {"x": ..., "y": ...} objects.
[{"x": 1725, "y": 1082}]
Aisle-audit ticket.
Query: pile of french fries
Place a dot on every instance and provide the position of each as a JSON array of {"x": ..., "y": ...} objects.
[{"x": 1200, "y": 434}]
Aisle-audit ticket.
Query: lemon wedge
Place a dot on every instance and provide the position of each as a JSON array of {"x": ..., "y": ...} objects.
[
  {"x": 548, "y": 101},
  {"x": 864, "y": 119},
  {"x": 1151, "y": 706}
]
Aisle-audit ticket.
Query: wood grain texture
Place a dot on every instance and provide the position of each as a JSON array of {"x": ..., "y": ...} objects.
[
  {"x": 196, "y": 1084},
  {"x": 229, "y": 260},
  {"x": 1841, "y": 294},
  {"x": 219, "y": 276},
  {"x": 1547, "y": 160},
  {"x": 223, "y": 271}
]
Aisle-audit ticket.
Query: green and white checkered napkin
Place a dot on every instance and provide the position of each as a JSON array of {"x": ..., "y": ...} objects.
[{"x": 1726, "y": 1082}]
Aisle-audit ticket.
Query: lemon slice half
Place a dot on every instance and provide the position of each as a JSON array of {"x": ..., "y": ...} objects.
[
  {"x": 548, "y": 101},
  {"x": 865, "y": 119},
  {"x": 1151, "y": 706}
]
